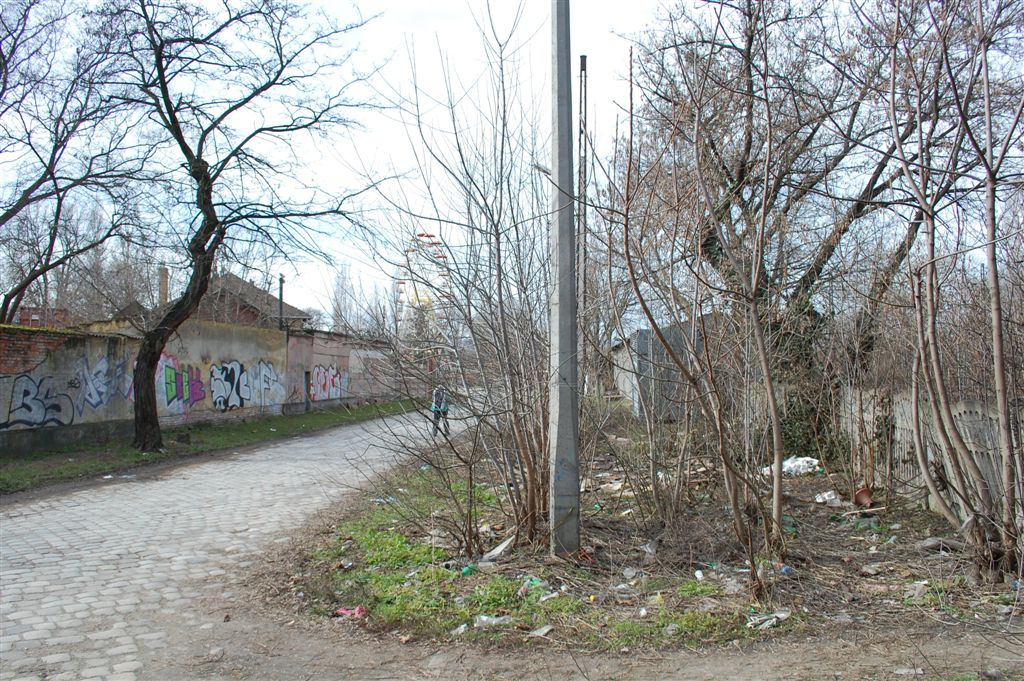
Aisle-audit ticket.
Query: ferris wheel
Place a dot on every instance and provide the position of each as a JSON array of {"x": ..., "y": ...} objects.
[{"x": 424, "y": 287}]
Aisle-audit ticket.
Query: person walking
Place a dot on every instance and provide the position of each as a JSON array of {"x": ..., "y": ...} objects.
[{"x": 439, "y": 406}]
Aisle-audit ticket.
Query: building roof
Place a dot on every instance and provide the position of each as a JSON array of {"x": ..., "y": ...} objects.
[
  {"x": 262, "y": 302},
  {"x": 228, "y": 298}
]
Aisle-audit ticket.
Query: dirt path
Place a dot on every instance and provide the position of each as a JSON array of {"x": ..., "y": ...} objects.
[{"x": 256, "y": 643}]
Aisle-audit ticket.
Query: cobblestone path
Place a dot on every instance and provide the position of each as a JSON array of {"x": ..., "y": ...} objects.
[{"x": 81, "y": 574}]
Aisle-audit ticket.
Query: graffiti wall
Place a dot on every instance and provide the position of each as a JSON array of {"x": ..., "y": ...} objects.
[
  {"x": 62, "y": 381},
  {"x": 209, "y": 371},
  {"x": 329, "y": 369},
  {"x": 370, "y": 378},
  {"x": 233, "y": 386},
  {"x": 327, "y": 383}
]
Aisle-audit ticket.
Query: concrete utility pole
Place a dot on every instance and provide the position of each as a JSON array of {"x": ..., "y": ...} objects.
[{"x": 563, "y": 426}]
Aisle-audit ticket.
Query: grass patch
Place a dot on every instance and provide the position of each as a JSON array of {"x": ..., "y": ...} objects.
[
  {"x": 29, "y": 471},
  {"x": 1006, "y": 599},
  {"x": 390, "y": 550},
  {"x": 692, "y": 587},
  {"x": 667, "y": 628},
  {"x": 937, "y": 593},
  {"x": 380, "y": 559}
]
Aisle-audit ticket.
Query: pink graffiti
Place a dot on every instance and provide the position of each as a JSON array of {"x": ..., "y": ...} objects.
[{"x": 327, "y": 383}]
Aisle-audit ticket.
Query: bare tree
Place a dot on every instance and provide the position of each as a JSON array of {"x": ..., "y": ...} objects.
[
  {"x": 469, "y": 234},
  {"x": 733, "y": 108},
  {"x": 65, "y": 139},
  {"x": 229, "y": 91},
  {"x": 767, "y": 129},
  {"x": 344, "y": 301},
  {"x": 953, "y": 69}
]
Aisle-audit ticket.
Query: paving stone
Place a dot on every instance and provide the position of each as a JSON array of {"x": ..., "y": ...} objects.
[
  {"x": 23, "y": 663},
  {"x": 67, "y": 640},
  {"x": 63, "y": 676},
  {"x": 84, "y": 571},
  {"x": 132, "y": 666}
]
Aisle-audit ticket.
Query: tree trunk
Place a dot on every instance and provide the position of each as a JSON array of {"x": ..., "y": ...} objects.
[
  {"x": 1010, "y": 531},
  {"x": 202, "y": 248},
  {"x": 147, "y": 426},
  {"x": 775, "y": 537},
  {"x": 862, "y": 346}
]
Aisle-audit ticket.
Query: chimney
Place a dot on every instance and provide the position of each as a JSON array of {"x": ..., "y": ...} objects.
[{"x": 163, "y": 284}]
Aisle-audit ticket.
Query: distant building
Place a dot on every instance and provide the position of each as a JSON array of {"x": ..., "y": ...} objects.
[
  {"x": 43, "y": 317},
  {"x": 233, "y": 300},
  {"x": 229, "y": 299},
  {"x": 644, "y": 370}
]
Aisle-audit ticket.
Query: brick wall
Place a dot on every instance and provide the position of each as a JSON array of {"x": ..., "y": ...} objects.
[{"x": 22, "y": 350}]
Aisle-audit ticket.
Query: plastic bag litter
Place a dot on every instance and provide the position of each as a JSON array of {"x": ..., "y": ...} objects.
[
  {"x": 486, "y": 621},
  {"x": 767, "y": 621},
  {"x": 357, "y": 612},
  {"x": 795, "y": 465},
  {"x": 496, "y": 552},
  {"x": 829, "y": 498}
]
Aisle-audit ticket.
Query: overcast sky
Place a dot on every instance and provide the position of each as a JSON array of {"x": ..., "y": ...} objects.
[{"x": 430, "y": 29}]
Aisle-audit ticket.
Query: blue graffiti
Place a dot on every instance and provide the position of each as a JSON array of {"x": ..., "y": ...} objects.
[{"x": 34, "y": 403}]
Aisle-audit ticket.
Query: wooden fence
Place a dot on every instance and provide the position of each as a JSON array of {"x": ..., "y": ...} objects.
[{"x": 880, "y": 427}]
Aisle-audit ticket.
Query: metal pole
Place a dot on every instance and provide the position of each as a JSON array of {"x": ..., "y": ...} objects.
[
  {"x": 582, "y": 270},
  {"x": 280, "y": 301},
  {"x": 563, "y": 426}
]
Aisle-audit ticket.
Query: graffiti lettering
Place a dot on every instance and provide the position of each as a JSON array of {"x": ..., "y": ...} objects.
[
  {"x": 232, "y": 386},
  {"x": 326, "y": 383},
  {"x": 228, "y": 385},
  {"x": 121, "y": 378},
  {"x": 94, "y": 385},
  {"x": 184, "y": 386},
  {"x": 33, "y": 403},
  {"x": 100, "y": 383},
  {"x": 265, "y": 385}
]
